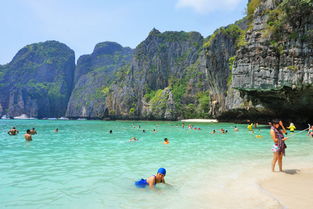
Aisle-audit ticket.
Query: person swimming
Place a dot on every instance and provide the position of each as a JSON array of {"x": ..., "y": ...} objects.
[
  {"x": 152, "y": 180},
  {"x": 13, "y": 131},
  {"x": 166, "y": 141},
  {"x": 33, "y": 131},
  {"x": 133, "y": 139}
]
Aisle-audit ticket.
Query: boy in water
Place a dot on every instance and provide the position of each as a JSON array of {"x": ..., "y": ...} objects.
[
  {"x": 28, "y": 136},
  {"x": 152, "y": 180},
  {"x": 166, "y": 141}
]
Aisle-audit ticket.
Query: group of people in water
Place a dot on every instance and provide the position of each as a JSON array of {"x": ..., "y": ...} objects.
[
  {"x": 28, "y": 135},
  {"x": 277, "y": 132}
]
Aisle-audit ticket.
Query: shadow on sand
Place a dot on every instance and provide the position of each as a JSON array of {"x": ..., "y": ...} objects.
[{"x": 292, "y": 171}]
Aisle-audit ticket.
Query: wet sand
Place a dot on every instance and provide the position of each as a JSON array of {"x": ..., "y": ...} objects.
[{"x": 292, "y": 188}]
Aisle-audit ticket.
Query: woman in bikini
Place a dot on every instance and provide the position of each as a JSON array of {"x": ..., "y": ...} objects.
[{"x": 277, "y": 132}]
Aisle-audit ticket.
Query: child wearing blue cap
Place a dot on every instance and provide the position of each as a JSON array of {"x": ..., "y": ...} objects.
[{"x": 152, "y": 180}]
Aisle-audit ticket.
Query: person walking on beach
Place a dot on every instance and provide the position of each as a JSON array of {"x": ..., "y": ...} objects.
[
  {"x": 277, "y": 133},
  {"x": 28, "y": 136},
  {"x": 152, "y": 180},
  {"x": 13, "y": 131}
]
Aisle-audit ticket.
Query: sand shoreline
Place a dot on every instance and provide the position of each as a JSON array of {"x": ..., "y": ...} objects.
[
  {"x": 200, "y": 120},
  {"x": 293, "y": 188}
]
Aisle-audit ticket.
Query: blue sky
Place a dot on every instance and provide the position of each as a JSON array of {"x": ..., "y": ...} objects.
[{"x": 81, "y": 24}]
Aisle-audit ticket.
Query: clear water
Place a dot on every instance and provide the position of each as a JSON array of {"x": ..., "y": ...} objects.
[{"x": 83, "y": 166}]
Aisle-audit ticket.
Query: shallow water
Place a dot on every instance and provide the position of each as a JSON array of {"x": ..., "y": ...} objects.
[{"x": 83, "y": 166}]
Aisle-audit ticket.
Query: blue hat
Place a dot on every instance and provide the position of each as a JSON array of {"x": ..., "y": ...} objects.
[{"x": 162, "y": 171}]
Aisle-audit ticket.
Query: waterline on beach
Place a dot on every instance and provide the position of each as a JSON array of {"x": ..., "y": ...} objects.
[{"x": 83, "y": 166}]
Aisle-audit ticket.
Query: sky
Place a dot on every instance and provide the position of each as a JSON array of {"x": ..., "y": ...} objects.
[{"x": 81, "y": 24}]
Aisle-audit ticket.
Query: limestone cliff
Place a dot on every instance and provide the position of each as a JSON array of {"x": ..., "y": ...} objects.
[
  {"x": 257, "y": 68},
  {"x": 149, "y": 88},
  {"x": 274, "y": 69},
  {"x": 38, "y": 81},
  {"x": 93, "y": 75}
]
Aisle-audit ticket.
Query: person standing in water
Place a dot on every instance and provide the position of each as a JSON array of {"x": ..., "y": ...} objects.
[
  {"x": 33, "y": 131},
  {"x": 28, "y": 136},
  {"x": 152, "y": 180},
  {"x": 13, "y": 131},
  {"x": 291, "y": 127},
  {"x": 310, "y": 131},
  {"x": 250, "y": 128},
  {"x": 277, "y": 133}
]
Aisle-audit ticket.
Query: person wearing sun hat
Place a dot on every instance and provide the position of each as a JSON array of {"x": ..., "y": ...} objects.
[{"x": 152, "y": 180}]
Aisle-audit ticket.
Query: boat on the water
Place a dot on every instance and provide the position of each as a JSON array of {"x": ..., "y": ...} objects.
[
  {"x": 23, "y": 117},
  {"x": 63, "y": 118},
  {"x": 4, "y": 117},
  {"x": 52, "y": 118},
  {"x": 81, "y": 119}
]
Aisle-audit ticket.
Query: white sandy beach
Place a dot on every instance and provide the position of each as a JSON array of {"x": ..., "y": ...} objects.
[
  {"x": 292, "y": 188},
  {"x": 200, "y": 120}
]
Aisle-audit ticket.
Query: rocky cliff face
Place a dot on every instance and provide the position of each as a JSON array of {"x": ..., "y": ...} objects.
[
  {"x": 274, "y": 70},
  {"x": 93, "y": 74},
  {"x": 258, "y": 68},
  {"x": 38, "y": 81},
  {"x": 145, "y": 89}
]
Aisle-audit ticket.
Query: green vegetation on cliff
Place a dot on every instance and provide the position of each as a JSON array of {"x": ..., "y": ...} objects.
[
  {"x": 42, "y": 80},
  {"x": 252, "y": 5},
  {"x": 232, "y": 31},
  {"x": 288, "y": 22}
]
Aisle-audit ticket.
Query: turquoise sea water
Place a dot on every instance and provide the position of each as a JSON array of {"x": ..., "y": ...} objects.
[{"x": 83, "y": 166}]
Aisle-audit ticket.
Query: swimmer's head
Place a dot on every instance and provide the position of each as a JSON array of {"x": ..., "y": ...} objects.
[
  {"x": 162, "y": 171},
  {"x": 28, "y": 131}
]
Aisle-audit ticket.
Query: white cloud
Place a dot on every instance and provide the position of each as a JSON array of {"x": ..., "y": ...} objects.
[{"x": 207, "y": 6}]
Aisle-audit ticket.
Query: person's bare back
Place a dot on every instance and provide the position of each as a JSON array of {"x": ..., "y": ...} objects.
[{"x": 28, "y": 136}]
